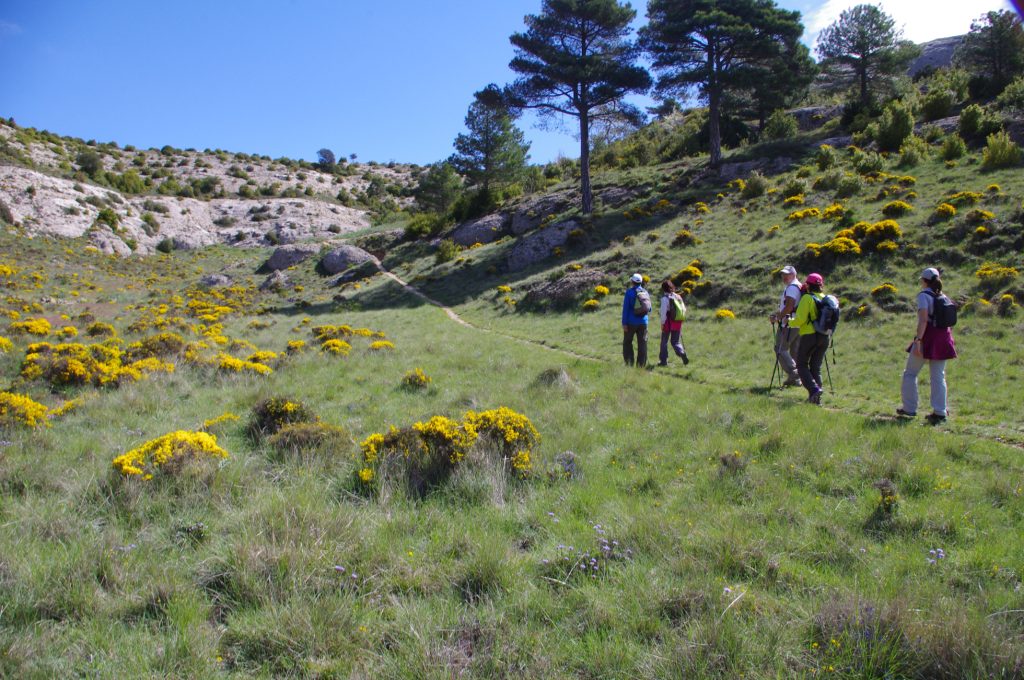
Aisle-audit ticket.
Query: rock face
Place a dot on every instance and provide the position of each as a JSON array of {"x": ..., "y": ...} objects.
[
  {"x": 813, "y": 117},
  {"x": 343, "y": 257},
  {"x": 730, "y": 171},
  {"x": 43, "y": 204},
  {"x": 539, "y": 245},
  {"x": 566, "y": 289},
  {"x": 935, "y": 54},
  {"x": 487, "y": 229},
  {"x": 529, "y": 214},
  {"x": 289, "y": 256},
  {"x": 275, "y": 282},
  {"x": 215, "y": 281}
]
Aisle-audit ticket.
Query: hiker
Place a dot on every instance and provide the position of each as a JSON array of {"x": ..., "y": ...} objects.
[
  {"x": 672, "y": 311},
  {"x": 932, "y": 344},
  {"x": 787, "y": 340},
  {"x": 812, "y": 343},
  {"x": 636, "y": 305}
]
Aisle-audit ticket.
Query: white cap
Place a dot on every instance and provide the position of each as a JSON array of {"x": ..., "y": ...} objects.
[
  {"x": 930, "y": 273},
  {"x": 636, "y": 278},
  {"x": 788, "y": 269}
]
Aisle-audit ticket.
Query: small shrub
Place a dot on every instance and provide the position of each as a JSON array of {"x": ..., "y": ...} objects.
[
  {"x": 416, "y": 379},
  {"x": 270, "y": 415},
  {"x": 977, "y": 216},
  {"x": 305, "y": 438},
  {"x": 780, "y": 125},
  {"x": 826, "y": 157},
  {"x": 804, "y": 214},
  {"x": 591, "y": 305},
  {"x": 953, "y": 147},
  {"x": 962, "y": 198},
  {"x": 1000, "y": 152},
  {"x": 829, "y": 181},
  {"x": 685, "y": 237},
  {"x": 1012, "y": 97},
  {"x": 794, "y": 187},
  {"x": 797, "y": 199},
  {"x": 20, "y": 410},
  {"x": 447, "y": 250},
  {"x": 885, "y": 292},
  {"x": 993, "y": 276},
  {"x": 975, "y": 123},
  {"x": 894, "y": 126},
  {"x": 896, "y": 209},
  {"x": 724, "y": 314},
  {"x": 756, "y": 185},
  {"x": 167, "y": 454},
  {"x": 848, "y": 186},
  {"x": 936, "y": 104},
  {"x": 913, "y": 151}
]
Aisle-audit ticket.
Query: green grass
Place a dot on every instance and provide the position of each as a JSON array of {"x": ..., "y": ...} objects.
[{"x": 749, "y": 535}]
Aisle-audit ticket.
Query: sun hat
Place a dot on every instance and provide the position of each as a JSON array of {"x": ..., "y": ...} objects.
[
  {"x": 930, "y": 273},
  {"x": 788, "y": 269},
  {"x": 814, "y": 279},
  {"x": 636, "y": 278}
]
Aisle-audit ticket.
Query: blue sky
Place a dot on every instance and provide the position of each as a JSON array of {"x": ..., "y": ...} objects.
[{"x": 387, "y": 80}]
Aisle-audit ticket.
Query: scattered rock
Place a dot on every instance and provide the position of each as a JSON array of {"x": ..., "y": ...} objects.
[
  {"x": 363, "y": 270},
  {"x": 529, "y": 214},
  {"x": 566, "y": 289},
  {"x": 276, "y": 282},
  {"x": 730, "y": 171},
  {"x": 613, "y": 197},
  {"x": 539, "y": 245},
  {"x": 343, "y": 257},
  {"x": 487, "y": 229},
  {"x": 289, "y": 256},
  {"x": 215, "y": 281}
]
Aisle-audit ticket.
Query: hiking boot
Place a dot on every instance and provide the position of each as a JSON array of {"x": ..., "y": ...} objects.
[
  {"x": 662, "y": 364},
  {"x": 935, "y": 418},
  {"x": 792, "y": 382},
  {"x": 815, "y": 397},
  {"x": 905, "y": 414},
  {"x": 686, "y": 359}
]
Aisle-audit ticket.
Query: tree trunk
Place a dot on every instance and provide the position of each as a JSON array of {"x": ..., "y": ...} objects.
[
  {"x": 714, "y": 129},
  {"x": 864, "y": 84},
  {"x": 588, "y": 201}
]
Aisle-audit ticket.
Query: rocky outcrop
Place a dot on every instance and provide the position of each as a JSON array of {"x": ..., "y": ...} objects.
[
  {"x": 730, "y": 171},
  {"x": 276, "y": 282},
  {"x": 289, "y": 256},
  {"x": 215, "y": 281},
  {"x": 935, "y": 54},
  {"x": 343, "y": 257},
  {"x": 540, "y": 245},
  {"x": 530, "y": 213},
  {"x": 813, "y": 117},
  {"x": 566, "y": 289},
  {"x": 43, "y": 204},
  {"x": 487, "y": 229}
]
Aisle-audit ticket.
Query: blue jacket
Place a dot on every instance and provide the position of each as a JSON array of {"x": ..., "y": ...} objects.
[{"x": 628, "y": 318}]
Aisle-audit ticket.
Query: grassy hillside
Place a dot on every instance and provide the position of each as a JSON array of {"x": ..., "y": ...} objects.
[{"x": 727, "y": 530}]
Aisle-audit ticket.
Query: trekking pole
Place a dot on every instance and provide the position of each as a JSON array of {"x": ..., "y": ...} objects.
[
  {"x": 831, "y": 389},
  {"x": 775, "y": 341}
]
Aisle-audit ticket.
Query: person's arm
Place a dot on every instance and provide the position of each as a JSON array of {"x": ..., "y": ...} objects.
[
  {"x": 627, "y": 305},
  {"x": 802, "y": 315},
  {"x": 663, "y": 309},
  {"x": 922, "y": 325}
]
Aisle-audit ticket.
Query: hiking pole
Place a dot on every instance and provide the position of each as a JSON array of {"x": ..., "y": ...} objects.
[
  {"x": 831, "y": 389},
  {"x": 775, "y": 348}
]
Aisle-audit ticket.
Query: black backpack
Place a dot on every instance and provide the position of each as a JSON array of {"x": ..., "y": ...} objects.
[
  {"x": 943, "y": 311},
  {"x": 828, "y": 314},
  {"x": 642, "y": 302}
]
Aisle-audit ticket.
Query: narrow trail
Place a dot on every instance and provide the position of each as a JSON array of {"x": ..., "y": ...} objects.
[
  {"x": 1013, "y": 443},
  {"x": 462, "y": 322}
]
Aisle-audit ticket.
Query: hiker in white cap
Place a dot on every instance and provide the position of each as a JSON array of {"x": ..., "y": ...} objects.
[
  {"x": 933, "y": 344},
  {"x": 787, "y": 340},
  {"x": 636, "y": 305}
]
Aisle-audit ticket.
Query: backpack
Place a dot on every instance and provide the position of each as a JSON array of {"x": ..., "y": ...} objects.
[
  {"x": 943, "y": 311},
  {"x": 828, "y": 314},
  {"x": 642, "y": 302},
  {"x": 676, "y": 308}
]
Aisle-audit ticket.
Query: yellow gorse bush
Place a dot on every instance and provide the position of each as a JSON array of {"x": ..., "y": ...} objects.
[
  {"x": 512, "y": 432},
  {"x": 18, "y": 409},
  {"x": 591, "y": 305},
  {"x": 336, "y": 347},
  {"x": 944, "y": 211},
  {"x": 167, "y": 453},
  {"x": 381, "y": 345},
  {"x": 601, "y": 291},
  {"x": 804, "y": 214},
  {"x": 40, "y": 327},
  {"x": 100, "y": 365},
  {"x": 229, "y": 364},
  {"x": 725, "y": 314},
  {"x": 5, "y": 344}
]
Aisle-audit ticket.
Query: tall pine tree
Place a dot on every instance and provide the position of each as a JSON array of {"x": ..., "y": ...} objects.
[
  {"x": 493, "y": 153},
  {"x": 993, "y": 52},
  {"x": 576, "y": 59},
  {"x": 718, "y": 47}
]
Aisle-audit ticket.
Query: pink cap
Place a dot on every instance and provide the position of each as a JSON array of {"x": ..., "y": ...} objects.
[{"x": 815, "y": 279}]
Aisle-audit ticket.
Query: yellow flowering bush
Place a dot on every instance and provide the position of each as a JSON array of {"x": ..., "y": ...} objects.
[
  {"x": 302, "y": 439},
  {"x": 416, "y": 379},
  {"x": 5, "y": 345},
  {"x": 896, "y": 209},
  {"x": 67, "y": 332},
  {"x": 511, "y": 433},
  {"x": 262, "y": 356},
  {"x": 336, "y": 347},
  {"x": 322, "y": 333},
  {"x": 797, "y": 199},
  {"x": 18, "y": 409},
  {"x": 738, "y": 184},
  {"x": 159, "y": 345},
  {"x": 296, "y": 346},
  {"x": 944, "y": 211},
  {"x": 40, "y": 327},
  {"x": 229, "y": 364},
  {"x": 270, "y": 415},
  {"x": 601, "y": 291},
  {"x": 981, "y": 232},
  {"x": 977, "y": 216},
  {"x": 962, "y": 198},
  {"x": 887, "y": 247},
  {"x": 886, "y": 291},
  {"x": 505, "y": 289},
  {"x": 98, "y": 328},
  {"x": 591, "y": 305},
  {"x": 219, "y": 420},
  {"x": 381, "y": 346},
  {"x": 701, "y": 207},
  {"x": 167, "y": 454},
  {"x": 101, "y": 365},
  {"x": 993, "y": 276},
  {"x": 833, "y": 212},
  {"x": 724, "y": 314},
  {"x": 684, "y": 237},
  {"x": 804, "y": 214}
]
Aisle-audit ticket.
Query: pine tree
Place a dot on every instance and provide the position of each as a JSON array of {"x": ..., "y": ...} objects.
[
  {"x": 865, "y": 40},
  {"x": 575, "y": 59},
  {"x": 993, "y": 52},
  {"x": 493, "y": 153},
  {"x": 719, "y": 47}
]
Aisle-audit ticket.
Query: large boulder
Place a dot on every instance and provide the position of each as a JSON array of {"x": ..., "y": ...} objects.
[
  {"x": 530, "y": 214},
  {"x": 540, "y": 245},
  {"x": 341, "y": 258},
  {"x": 484, "y": 230},
  {"x": 566, "y": 289},
  {"x": 215, "y": 281},
  {"x": 289, "y": 256},
  {"x": 276, "y": 282}
]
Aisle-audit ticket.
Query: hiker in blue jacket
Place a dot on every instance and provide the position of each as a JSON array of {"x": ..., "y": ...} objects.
[{"x": 633, "y": 323}]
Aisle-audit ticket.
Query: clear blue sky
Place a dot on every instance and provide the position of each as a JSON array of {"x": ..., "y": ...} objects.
[{"x": 388, "y": 80}]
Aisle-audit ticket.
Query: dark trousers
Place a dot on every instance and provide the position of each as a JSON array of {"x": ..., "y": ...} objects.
[
  {"x": 641, "y": 345},
  {"x": 809, "y": 358},
  {"x": 677, "y": 345}
]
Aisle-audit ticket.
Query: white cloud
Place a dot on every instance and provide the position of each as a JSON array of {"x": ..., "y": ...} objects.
[
  {"x": 8, "y": 28},
  {"x": 921, "y": 20}
]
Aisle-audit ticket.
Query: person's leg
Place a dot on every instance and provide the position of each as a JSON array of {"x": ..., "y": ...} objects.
[
  {"x": 677, "y": 345},
  {"x": 908, "y": 389},
  {"x": 937, "y": 373},
  {"x": 787, "y": 346},
  {"x": 803, "y": 359},
  {"x": 641, "y": 346},
  {"x": 627, "y": 345},
  {"x": 663, "y": 352},
  {"x": 817, "y": 356}
]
